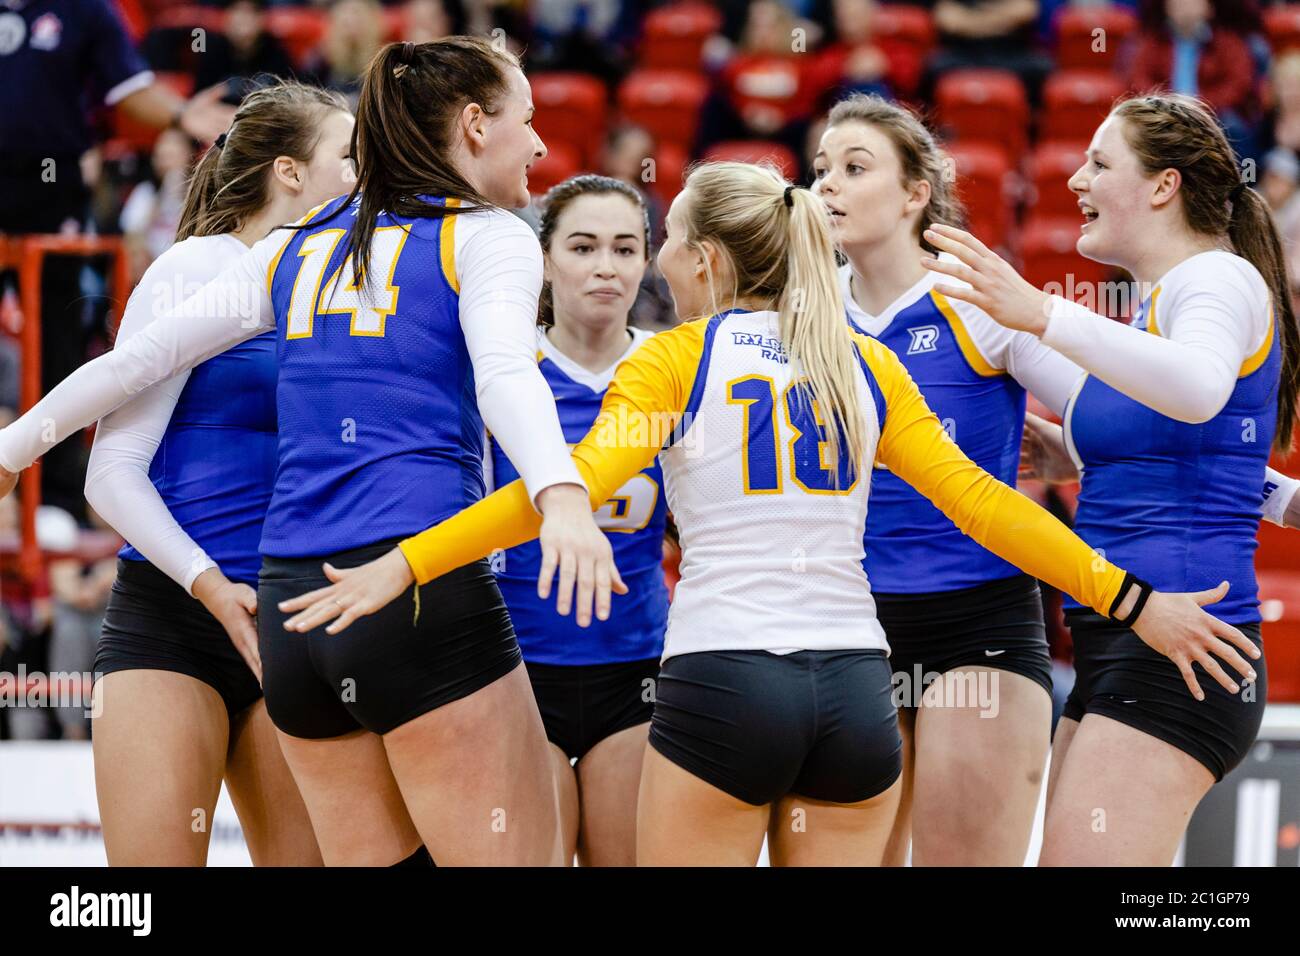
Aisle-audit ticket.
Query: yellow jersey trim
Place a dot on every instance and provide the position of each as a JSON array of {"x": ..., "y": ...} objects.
[
  {"x": 964, "y": 341},
  {"x": 447, "y": 242}
]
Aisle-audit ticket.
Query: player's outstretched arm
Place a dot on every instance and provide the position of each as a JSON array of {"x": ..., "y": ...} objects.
[
  {"x": 649, "y": 388},
  {"x": 915, "y": 447},
  {"x": 234, "y": 306}
]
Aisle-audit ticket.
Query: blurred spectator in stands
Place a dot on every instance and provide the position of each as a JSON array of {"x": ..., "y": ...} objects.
[
  {"x": 57, "y": 58},
  {"x": 355, "y": 34},
  {"x": 1187, "y": 47},
  {"x": 770, "y": 88},
  {"x": 1279, "y": 183},
  {"x": 242, "y": 50},
  {"x": 424, "y": 21},
  {"x": 627, "y": 147},
  {"x": 993, "y": 34},
  {"x": 624, "y": 156},
  {"x": 593, "y": 36},
  {"x": 10, "y": 374},
  {"x": 80, "y": 590},
  {"x": 153, "y": 210},
  {"x": 858, "y": 61}
]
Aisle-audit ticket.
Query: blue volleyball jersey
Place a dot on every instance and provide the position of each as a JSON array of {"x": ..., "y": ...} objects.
[
  {"x": 215, "y": 465},
  {"x": 380, "y": 434},
  {"x": 911, "y": 547},
  {"x": 1175, "y": 503},
  {"x": 633, "y": 519}
]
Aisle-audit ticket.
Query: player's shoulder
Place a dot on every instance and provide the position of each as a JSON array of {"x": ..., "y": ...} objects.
[
  {"x": 1215, "y": 269},
  {"x": 196, "y": 259},
  {"x": 495, "y": 224}
]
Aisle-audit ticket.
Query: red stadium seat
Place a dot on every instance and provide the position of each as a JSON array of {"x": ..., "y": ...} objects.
[
  {"x": 902, "y": 24},
  {"x": 984, "y": 106},
  {"x": 208, "y": 18},
  {"x": 1279, "y": 606},
  {"x": 666, "y": 103},
  {"x": 300, "y": 29},
  {"x": 670, "y": 166},
  {"x": 1047, "y": 250},
  {"x": 755, "y": 151},
  {"x": 1051, "y": 166},
  {"x": 674, "y": 35},
  {"x": 1075, "y": 103},
  {"x": 983, "y": 175},
  {"x": 1081, "y": 47},
  {"x": 1282, "y": 24},
  {"x": 571, "y": 109},
  {"x": 561, "y": 162},
  {"x": 394, "y": 23}
]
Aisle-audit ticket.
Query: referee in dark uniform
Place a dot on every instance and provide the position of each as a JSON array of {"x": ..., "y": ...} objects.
[{"x": 58, "y": 58}]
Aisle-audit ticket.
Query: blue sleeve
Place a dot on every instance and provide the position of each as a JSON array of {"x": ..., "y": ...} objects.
[{"x": 113, "y": 57}]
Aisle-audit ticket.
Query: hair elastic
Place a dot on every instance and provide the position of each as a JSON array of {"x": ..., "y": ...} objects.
[{"x": 789, "y": 199}]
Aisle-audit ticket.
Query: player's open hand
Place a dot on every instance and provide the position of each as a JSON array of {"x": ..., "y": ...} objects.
[
  {"x": 1042, "y": 453},
  {"x": 992, "y": 285},
  {"x": 1177, "y": 627},
  {"x": 355, "y": 593},
  {"x": 235, "y": 606},
  {"x": 572, "y": 542}
]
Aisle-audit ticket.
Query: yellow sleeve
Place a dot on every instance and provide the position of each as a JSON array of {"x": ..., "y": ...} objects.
[
  {"x": 915, "y": 447},
  {"x": 644, "y": 403}
]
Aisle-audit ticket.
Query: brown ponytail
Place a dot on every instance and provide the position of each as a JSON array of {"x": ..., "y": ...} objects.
[
  {"x": 229, "y": 184},
  {"x": 411, "y": 95},
  {"x": 1171, "y": 131}
]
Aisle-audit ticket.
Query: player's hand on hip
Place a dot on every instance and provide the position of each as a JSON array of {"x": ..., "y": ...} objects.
[
  {"x": 355, "y": 593},
  {"x": 234, "y": 605},
  {"x": 991, "y": 283},
  {"x": 1042, "y": 453},
  {"x": 572, "y": 543},
  {"x": 1178, "y": 627}
]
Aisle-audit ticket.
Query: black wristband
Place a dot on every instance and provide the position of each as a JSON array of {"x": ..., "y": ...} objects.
[{"x": 1144, "y": 593}]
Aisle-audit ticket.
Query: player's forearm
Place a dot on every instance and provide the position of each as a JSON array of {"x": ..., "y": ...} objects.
[{"x": 155, "y": 105}]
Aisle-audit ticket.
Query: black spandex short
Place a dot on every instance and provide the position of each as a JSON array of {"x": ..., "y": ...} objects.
[
  {"x": 819, "y": 724},
  {"x": 1120, "y": 677},
  {"x": 152, "y": 623},
  {"x": 582, "y": 705},
  {"x": 386, "y": 668},
  {"x": 998, "y": 625}
]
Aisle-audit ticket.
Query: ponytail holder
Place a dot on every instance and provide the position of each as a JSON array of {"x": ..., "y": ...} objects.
[
  {"x": 1237, "y": 190},
  {"x": 789, "y": 199},
  {"x": 220, "y": 141},
  {"x": 405, "y": 56}
]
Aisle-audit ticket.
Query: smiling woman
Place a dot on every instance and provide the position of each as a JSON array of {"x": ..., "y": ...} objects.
[{"x": 1176, "y": 416}]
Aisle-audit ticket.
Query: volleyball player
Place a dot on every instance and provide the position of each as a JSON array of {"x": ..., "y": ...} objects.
[
  {"x": 184, "y": 474},
  {"x": 404, "y": 312},
  {"x": 594, "y": 686},
  {"x": 773, "y": 702},
  {"x": 1171, "y": 429}
]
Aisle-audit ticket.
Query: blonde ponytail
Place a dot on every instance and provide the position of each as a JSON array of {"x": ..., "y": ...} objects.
[
  {"x": 815, "y": 332},
  {"x": 782, "y": 252}
]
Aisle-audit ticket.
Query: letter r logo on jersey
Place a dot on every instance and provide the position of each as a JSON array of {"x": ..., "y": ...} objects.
[{"x": 925, "y": 338}]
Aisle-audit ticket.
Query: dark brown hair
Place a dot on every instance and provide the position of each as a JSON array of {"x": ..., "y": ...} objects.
[
  {"x": 230, "y": 184},
  {"x": 560, "y": 197},
  {"x": 1171, "y": 131},
  {"x": 919, "y": 155},
  {"x": 411, "y": 95}
]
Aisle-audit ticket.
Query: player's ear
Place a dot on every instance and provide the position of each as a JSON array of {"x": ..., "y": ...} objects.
[
  {"x": 918, "y": 196},
  {"x": 1166, "y": 187},
  {"x": 287, "y": 172},
  {"x": 472, "y": 124}
]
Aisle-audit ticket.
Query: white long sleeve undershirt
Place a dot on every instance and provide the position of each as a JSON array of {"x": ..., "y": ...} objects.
[{"x": 498, "y": 268}]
